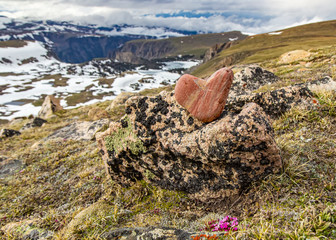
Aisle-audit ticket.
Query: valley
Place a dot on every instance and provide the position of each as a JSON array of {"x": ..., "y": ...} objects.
[{"x": 29, "y": 74}]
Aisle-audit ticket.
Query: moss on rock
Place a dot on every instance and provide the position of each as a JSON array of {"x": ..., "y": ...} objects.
[{"x": 124, "y": 138}]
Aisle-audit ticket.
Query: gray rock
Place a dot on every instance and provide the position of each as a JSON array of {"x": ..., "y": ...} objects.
[
  {"x": 276, "y": 102},
  {"x": 249, "y": 79},
  {"x": 32, "y": 235},
  {"x": 326, "y": 83},
  {"x": 38, "y": 234},
  {"x": 9, "y": 167},
  {"x": 79, "y": 130},
  {"x": 150, "y": 233},
  {"x": 281, "y": 100}
]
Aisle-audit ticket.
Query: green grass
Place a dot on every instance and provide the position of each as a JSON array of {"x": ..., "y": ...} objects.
[{"x": 64, "y": 187}]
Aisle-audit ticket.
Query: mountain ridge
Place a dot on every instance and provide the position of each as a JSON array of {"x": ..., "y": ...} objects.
[{"x": 73, "y": 43}]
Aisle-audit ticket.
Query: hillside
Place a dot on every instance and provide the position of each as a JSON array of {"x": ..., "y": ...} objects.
[
  {"x": 267, "y": 46},
  {"x": 58, "y": 188},
  {"x": 195, "y": 45}
]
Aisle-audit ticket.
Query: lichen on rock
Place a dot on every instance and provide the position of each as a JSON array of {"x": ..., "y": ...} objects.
[
  {"x": 124, "y": 138},
  {"x": 210, "y": 162}
]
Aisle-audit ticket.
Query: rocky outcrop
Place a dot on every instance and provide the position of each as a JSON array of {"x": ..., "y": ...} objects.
[
  {"x": 49, "y": 106},
  {"x": 142, "y": 49},
  {"x": 204, "y": 99},
  {"x": 214, "y": 50},
  {"x": 160, "y": 142},
  {"x": 79, "y": 130}
]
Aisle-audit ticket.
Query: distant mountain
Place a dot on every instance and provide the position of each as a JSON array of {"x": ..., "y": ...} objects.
[
  {"x": 75, "y": 43},
  {"x": 196, "y": 45}
]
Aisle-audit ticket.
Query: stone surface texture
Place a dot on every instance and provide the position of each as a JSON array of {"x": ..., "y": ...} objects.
[
  {"x": 275, "y": 102},
  {"x": 159, "y": 141},
  {"x": 249, "y": 78},
  {"x": 121, "y": 99},
  {"x": 79, "y": 130},
  {"x": 49, "y": 106},
  {"x": 9, "y": 167},
  {"x": 204, "y": 99},
  {"x": 150, "y": 233}
]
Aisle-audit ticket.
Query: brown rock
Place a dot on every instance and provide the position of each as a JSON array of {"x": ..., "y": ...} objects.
[
  {"x": 49, "y": 106},
  {"x": 160, "y": 142},
  {"x": 293, "y": 56},
  {"x": 204, "y": 99}
]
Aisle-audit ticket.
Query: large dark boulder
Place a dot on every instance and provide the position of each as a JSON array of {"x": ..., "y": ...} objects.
[{"x": 160, "y": 142}]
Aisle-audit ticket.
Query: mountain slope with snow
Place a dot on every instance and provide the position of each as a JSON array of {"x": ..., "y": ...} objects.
[
  {"x": 29, "y": 73},
  {"x": 74, "y": 43}
]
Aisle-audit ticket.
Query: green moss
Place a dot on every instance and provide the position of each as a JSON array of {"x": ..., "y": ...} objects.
[{"x": 125, "y": 138}]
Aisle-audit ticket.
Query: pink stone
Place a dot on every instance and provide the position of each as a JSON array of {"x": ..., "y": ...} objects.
[{"x": 204, "y": 99}]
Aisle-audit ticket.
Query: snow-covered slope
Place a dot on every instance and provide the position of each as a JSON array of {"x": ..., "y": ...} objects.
[{"x": 28, "y": 73}]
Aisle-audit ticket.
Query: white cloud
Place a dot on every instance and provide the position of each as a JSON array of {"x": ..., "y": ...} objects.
[{"x": 245, "y": 15}]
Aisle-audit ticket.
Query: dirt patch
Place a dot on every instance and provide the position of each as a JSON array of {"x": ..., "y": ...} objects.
[
  {"x": 83, "y": 96},
  {"x": 6, "y": 74},
  {"x": 146, "y": 80},
  {"x": 3, "y": 88},
  {"x": 105, "y": 81},
  {"x": 24, "y": 89},
  {"x": 13, "y": 44},
  {"x": 29, "y": 60}
]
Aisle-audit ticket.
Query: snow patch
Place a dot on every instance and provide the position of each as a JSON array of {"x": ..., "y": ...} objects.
[
  {"x": 233, "y": 39},
  {"x": 274, "y": 33}
]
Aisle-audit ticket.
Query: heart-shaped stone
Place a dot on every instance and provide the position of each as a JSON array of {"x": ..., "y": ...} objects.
[{"x": 204, "y": 99}]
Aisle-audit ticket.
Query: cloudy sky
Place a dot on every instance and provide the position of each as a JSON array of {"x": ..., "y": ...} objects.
[{"x": 248, "y": 16}]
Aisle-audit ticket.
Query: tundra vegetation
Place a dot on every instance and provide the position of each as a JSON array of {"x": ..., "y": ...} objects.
[{"x": 62, "y": 187}]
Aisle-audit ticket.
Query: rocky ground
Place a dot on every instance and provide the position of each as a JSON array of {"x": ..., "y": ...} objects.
[{"x": 54, "y": 185}]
